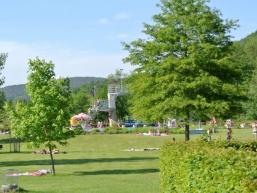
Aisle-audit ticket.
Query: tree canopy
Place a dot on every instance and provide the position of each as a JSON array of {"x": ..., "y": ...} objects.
[
  {"x": 42, "y": 120},
  {"x": 84, "y": 96},
  {"x": 122, "y": 107},
  {"x": 185, "y": 67}
]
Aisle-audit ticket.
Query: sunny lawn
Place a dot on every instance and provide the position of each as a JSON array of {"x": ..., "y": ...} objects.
[{"x": 97, "y": 164}]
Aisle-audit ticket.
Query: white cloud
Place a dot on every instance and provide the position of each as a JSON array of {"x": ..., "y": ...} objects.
[{"x": 68, "y": 62}]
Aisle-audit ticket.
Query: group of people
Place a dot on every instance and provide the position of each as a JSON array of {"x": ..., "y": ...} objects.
[{"x": 229, "y": 126}]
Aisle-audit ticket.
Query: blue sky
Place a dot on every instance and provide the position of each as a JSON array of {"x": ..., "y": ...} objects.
[{"x": 83, "y": 37}]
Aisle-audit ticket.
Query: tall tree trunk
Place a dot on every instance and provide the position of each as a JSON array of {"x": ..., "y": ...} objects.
[
  {"x": 52, "y": 159},
  {"x": 187, "y": 135}
]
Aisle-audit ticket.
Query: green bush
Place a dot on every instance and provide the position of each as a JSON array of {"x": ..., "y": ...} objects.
[
  {"x": 78, "y": 131},
  {"x": 140, "y": 129},
  {"x": 207, "y": 168},
  {"x": 249, "y": 146},
  {"x": 177, "y": 131},
  {"x": 146, "y": 130},
  {"x": 95, "y": 131},
  {"x": 152, "y": 129},
  {"x": 115, "y": 130}
]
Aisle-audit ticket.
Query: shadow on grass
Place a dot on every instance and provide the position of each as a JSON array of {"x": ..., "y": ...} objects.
[
  {"x": 117, "y": 172},
  {"x": 20, "y": 153},
  {"x": 6, "y": 140},
  {"x": 9, "y": 140},
  {"x": 74, "y": 161}
]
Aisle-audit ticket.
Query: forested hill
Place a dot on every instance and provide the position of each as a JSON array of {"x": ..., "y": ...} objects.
[
  {"x": 249, "y": 45},
  {"x": 18, "y": 91}
]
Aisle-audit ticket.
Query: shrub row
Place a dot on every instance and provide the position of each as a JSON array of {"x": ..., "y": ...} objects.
[
  {"x": 117, "y": 130},
  {"x": 249, "y": 146},
  {"x": 199, "y": 167},
  {"x": 162, "y": 130}
]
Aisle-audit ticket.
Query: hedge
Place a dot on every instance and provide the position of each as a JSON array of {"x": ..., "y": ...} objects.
[
  {"x": 115, "y": 130},
  {"x": 199, "y": 167},
  {"x": 152, "y": 129}
]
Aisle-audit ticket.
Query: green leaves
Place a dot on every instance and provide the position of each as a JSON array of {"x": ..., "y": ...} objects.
[
  {"x": 203, "y": 167},
  {"x": 186, "y": 66},
  {"x": 42, "y": 120},
  {"x": 122, "y": 107}
]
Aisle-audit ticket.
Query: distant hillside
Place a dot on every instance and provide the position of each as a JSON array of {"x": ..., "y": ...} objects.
[
  {"x": 76, "y": 82},
  {"x": 18, "y": 91},
  {"x": 249, "y": 45},
  {"x": 15, "y": 92}
]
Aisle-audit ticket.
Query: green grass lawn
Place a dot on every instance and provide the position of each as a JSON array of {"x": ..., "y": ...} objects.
[{"x": 97, "y": 164}]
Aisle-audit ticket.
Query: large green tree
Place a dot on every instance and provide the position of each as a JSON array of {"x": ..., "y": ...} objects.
[
  {"x": 185, "y": 67},
  {"x": 43, "y": 119},
  {"x": 3, "y": 118}
]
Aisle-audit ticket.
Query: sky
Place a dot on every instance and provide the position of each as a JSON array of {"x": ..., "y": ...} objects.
[{"x": 83, "y": 37}]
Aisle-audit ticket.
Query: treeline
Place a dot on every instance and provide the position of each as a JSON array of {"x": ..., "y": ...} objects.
[
  {"x": 87, "y": 94},
  {"x": 18, "y": 92},
  {"x": 247, "y": 50}
]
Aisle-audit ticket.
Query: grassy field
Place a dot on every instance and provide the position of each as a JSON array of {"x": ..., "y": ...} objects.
[{"x": 97, "y": 164}]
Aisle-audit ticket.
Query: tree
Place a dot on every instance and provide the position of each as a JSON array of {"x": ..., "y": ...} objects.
[
  {"x": 2, "y": 63},
  {"x": 81, "y": 101},
  {"x": 122, "y": 107},
  {"x": 247, "y": 49},
  {"x": 43, "y": 119},
  {"x": 185, "y": 68},
  {"x": 4, "y": 122},
  {"x": 3, "y": 57},
  {"x": 251, "y": 104},
  {"x": 84, "y": 96},
  {"x": 3, "y": 118},
  {"x": 116, "y": 77},
  {"x": 2, "y": 100}
]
